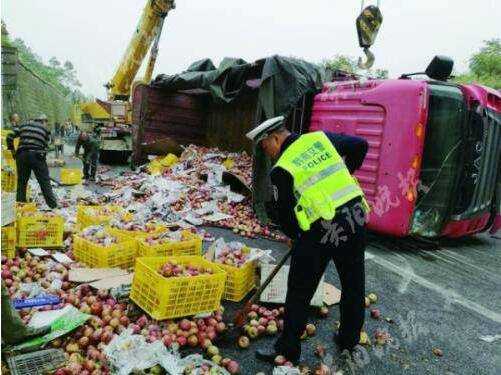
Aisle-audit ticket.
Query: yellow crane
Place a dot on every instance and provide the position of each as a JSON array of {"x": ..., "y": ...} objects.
[{"x": 114, "y": 113}]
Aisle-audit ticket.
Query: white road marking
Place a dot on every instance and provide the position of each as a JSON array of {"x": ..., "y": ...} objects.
[
  {"x": 448, "y": 294},
  {"x": 464, "y": 261}
]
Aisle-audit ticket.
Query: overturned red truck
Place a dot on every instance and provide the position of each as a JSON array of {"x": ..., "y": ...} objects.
[{"x": 432, "y": 169}]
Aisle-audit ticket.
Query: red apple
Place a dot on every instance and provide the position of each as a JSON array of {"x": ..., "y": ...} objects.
[
  {"x": 310, "y": 329},
  {"x": 243, "y": 342},
  {"x": 280, "y": 360}
]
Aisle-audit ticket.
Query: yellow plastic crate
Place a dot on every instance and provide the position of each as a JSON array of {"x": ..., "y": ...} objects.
[
  {"x": 22, "y": 208},
  {"x": 40, "y": 230},
  {"x": 97, "y": 215},
  {"x": 9, "y": 179},
  {"x": 191, "y": 245},
  {"x": 166, "y": 298},
  {"x": 8, "y": 160},
  {"x": 5, "y": 133},
  {"x": 136, "y": 235},
  {"x": 71, "y": 176},
  {"x": 121, "y": 254},
  {"x": 9, "y": 241},
  {"x": 240, "y": 280}
]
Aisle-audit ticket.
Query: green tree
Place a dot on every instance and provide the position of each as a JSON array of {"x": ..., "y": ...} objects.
[
  {"x": 342, "y": 62},
  {"x": 381, "y": 74},
  {"x": 349, "y": 64},
  {"x": 62, "y": 76},
  {"x": 54, "y": 62},
  {"x": 484, "y": 66},
  {"x": 70, "y": 75}
]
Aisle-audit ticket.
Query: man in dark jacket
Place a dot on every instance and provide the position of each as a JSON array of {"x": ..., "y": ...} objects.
[
  {"x": 91, "y": 144},
  {"x": 320, "y": 206},
  {"x": 14, "y": 121},
  {"x": 31, "y": 156}
]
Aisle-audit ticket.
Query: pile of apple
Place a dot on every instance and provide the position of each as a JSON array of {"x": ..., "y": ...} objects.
[
  {"x": 84, "y": 346},
  {"x": 27, "y": 269},
  {"x": 242, "y": 162},
  {"x": 232, "y": 257},
  {"x": 261, "y": 321},
  {"x": 230, "y": 365},
  {"x": 175, "y": 269},
  {"x": 27, "y": 213},
  {"x": 166, "y": 237},
  {"x": 382, "y": 337},
  {"x": 97, "y": 234},
  {"x": 244, "y": 222},
  {"x": 133, "y": 225},
  {"x": 204, "y": 369},
  {"x": 99, "y": 211}
]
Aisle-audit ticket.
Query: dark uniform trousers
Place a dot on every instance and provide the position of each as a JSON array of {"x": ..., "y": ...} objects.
[
  {"x": 27, "y": 161},
  {"x": 344, "y": 242},
  {"x": 90, "y": 165}
]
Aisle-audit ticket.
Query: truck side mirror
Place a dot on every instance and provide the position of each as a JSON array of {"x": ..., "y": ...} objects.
[{"x": 440, "y": 68}]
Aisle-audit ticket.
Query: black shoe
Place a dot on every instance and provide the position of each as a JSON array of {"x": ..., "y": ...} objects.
[
  {"x": 269, "y": 355},
  {"x": 340, "y": 344}
]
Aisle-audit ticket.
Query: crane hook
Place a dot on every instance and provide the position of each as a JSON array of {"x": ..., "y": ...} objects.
[
  {"x": 368, "y": 23},
  {"x": 369, "y": 60}
]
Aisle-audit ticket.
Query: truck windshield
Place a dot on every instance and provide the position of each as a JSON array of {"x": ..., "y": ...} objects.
[{"x": 441, "y": 163}]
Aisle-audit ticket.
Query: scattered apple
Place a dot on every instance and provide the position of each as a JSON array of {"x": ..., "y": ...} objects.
[{"x": 243, "y": 342}]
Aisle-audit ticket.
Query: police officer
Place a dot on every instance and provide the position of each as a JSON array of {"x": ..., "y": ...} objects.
[
  {"x": 321, "y": 207},
  {"x": 31, "y": 156},
  {"x": 91, "y": 144}
]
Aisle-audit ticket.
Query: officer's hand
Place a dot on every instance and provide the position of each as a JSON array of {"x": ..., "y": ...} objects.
[{"x": 289, "y": 243}]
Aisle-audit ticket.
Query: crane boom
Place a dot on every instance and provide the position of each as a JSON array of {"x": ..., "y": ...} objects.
[{"x": 148, "y": 29}]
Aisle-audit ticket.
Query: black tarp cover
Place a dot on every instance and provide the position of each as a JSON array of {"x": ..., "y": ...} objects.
[{"x": 284, "y": 81}]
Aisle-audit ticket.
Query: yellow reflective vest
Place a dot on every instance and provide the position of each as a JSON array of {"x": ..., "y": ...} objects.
[{"x": 322, "y": 183}]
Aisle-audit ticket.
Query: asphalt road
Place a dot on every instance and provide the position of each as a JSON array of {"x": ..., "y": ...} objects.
[{"x": 443, "y": 298}]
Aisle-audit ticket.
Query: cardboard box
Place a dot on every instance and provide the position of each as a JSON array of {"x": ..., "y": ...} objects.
[
  {"x": 276, "y": 291},
  {"x": 8, "y": 208}
]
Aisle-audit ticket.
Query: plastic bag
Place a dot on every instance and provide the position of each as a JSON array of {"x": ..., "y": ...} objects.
[
  {"x": 207, "y": 207},
  {"x": 214, "y": 174},
  {"x": 61, "y": 326},
  {"x": 235, "y": 197},
  {"x": 168, "y": 184},
  {"x": 195, "y": 363},
  {"x": 284, "y": 370},
  {"x": 254, "y": 253},
  {"x": 31, "y": 290},
  {"x": 128, "y": 352}
]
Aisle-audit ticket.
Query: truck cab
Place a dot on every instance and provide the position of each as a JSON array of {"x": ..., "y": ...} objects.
[
  {"x": 434, "y": 149},
  {"x": 114, "y": 119}
]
